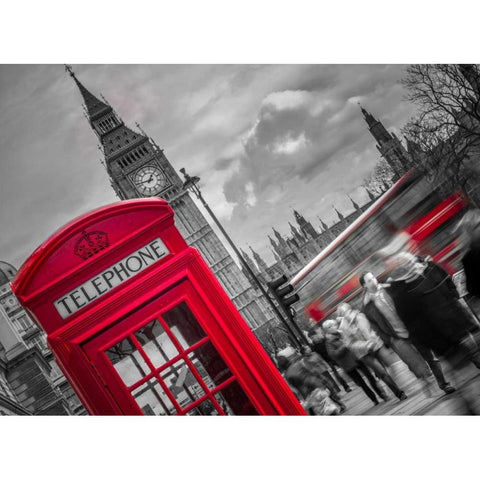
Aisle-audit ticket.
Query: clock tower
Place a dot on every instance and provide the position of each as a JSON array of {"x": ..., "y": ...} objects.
[{"x": 137, "y": 167}]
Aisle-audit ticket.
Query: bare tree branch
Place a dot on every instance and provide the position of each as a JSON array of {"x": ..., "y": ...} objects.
[{"x": 444, "y": 137}]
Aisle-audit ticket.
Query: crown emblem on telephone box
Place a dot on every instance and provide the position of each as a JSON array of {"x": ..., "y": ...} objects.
[{"x": 91, "y": 243}]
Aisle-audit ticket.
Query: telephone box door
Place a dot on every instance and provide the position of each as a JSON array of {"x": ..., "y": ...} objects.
[{"x": 165, "y": 359}]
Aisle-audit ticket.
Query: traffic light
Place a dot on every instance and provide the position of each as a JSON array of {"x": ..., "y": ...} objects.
[{"x": 281, "y": 293}]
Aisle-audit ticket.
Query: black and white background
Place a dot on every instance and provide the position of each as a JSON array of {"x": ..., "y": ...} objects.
[{"x": 237, "y": 126}]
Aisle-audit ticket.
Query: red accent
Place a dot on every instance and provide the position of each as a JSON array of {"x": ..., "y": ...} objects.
[
  {"x": 445, "y": 210},
  {"x": 441, "y": 256},
  {"x": 314, "y": 311},
  {"x": 347, "y": 287},
  {"x": 80, "y": 341}
]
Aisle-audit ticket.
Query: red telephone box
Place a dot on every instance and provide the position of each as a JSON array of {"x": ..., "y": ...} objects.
[{"x": 140, "y": 325}]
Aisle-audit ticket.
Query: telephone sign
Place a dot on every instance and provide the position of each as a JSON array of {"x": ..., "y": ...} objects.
[
  {"x": 138, "y": 323},
  {"x": 111, "y": 277}
]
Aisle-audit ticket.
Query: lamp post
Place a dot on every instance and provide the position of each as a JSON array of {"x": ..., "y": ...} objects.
[{"x": 190, "y": 183}]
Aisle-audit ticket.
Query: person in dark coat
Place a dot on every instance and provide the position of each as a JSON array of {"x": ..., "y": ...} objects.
[
  {"x": 319, "y": 346},
  {"x": 424, "y": 293},
  {"x": 426, "y": 299},
  {"x": 380, "y": 311},
  {"x": 470, "y": 226}
]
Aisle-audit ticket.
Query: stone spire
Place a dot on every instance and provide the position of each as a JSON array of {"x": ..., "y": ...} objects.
[
  {"x": 371, "y": 196},
  {"x": 339, "y": 215},
  {"x": 388, "y": 145},
  {"x": 116, "y": 138},
  {"x": 355, "y": 205},
  {"x": 262, "y": 266},
  {"x": 296, "y": 234},
  {"x": 272, "y": 241},
  {"x": 93, "y": 105},
  {"x": 379, "y": 132},
  {"x": 249, "y": 261},
  {"x": 324, "y": 226},
  {"x": 280, "y": 239},
  {"x": 305, "y": 226}
]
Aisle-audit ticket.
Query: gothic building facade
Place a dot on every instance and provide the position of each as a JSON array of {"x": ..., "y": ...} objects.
[
  {"x": 137, "y": 168},
  {"x": 30, "y": 381}
]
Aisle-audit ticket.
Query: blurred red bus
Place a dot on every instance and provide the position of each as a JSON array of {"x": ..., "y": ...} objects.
[{"x": 411, "y": 216}]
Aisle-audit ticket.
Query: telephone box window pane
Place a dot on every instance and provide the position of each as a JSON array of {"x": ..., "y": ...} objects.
[
  {"x": 234, "y": 401},
  {"x": 184, "y": 325},
  {"x": 182, "y": 383},
  {"x": 205, "y": 408},
  {"x": 209, "y": 365},
  {"x": 223, "y": 403},
  {"x": 153, "y": 400},
  {"x": 156, "y": 343},
  {"x": 127, "y": 361}
]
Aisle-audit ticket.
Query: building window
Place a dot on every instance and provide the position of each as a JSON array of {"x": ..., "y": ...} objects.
[{"x": 25, "y": 322}]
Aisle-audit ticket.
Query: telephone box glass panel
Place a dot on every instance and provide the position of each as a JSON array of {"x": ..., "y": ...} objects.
[
  {"x": 128, "y": 361},
  {"x": 171, "y": 367}
]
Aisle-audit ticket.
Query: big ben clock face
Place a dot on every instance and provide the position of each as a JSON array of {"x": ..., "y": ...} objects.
[{"x": 149, "y": 180}]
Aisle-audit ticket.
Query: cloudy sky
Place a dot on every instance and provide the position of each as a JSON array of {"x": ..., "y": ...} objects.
[{"x": 265, "y": 139}]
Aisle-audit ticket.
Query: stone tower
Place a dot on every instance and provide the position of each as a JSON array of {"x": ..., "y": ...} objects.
[
  {"x": 305, "y": 226},
  {"x": 388, "y": 145},
  {"x": 137, "y": 167}
]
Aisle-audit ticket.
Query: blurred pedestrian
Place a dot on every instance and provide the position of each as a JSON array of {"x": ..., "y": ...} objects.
[
  {"x": 366, "y": 345},
  {"x": 427, "y": 300},
  {"x": 354, "y": 368},
  {"x": 305, "y": 373},
  {"x": 380, "y": 311},
  {"x": 319, "y": 346}
]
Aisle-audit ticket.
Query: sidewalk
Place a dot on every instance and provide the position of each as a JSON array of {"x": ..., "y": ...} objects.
[{"x": 417, "y": 403}]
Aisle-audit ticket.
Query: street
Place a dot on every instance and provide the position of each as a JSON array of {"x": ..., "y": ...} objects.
[{"x": 417, "y": 403}]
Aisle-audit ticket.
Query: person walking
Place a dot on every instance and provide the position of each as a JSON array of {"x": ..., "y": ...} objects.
[
  {"x": 305, "y": 373},
  {"x": 354, "y": 368},
  {"x": 427, "y": 300},
  {"x": 318, "y": 345},
  {"x": 380, "y": 311},
  {"x": 366, "y": 345}
]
